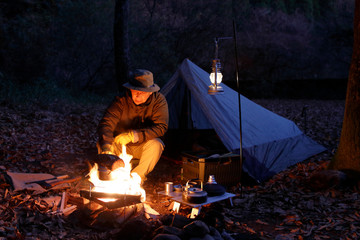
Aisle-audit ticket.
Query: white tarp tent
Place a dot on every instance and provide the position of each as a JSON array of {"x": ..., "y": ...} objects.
[{"x": 271, "y": 143}]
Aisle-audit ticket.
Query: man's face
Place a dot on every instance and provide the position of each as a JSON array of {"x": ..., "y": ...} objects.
[{"x": 139, "y": 97}]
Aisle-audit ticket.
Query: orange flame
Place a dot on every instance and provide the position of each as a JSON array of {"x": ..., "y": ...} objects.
[{"x": 121, "y": 180}]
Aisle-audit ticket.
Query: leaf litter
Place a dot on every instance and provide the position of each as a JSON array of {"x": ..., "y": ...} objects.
[{"x": 284, "y": 207}]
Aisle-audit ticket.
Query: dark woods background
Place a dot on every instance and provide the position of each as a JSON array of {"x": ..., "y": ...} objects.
[{"x": 63, "y": 49}]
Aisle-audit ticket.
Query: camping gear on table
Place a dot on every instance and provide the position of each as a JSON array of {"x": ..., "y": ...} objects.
[
  {"x": 178, "y": 188},
  {"x": 213, "y": 188},
  {"x": 169, "y": 187},
  {"x": 194, "y": 194},
  {"x": 270, "y": 142}
]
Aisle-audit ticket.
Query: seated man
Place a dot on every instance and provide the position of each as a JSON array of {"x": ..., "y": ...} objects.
[{"x": 137, "y": 118}]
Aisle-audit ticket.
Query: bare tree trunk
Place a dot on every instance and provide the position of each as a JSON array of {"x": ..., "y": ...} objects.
[
  {"x": 347, "y": 156},
  {"x": 121, "y": 42}
]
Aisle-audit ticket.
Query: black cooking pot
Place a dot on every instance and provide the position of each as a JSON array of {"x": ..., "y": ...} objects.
[
  {"x": 107, "y": 160},
  {"x": 106, "y": 164},
  {"x": 104, "y": 173}
]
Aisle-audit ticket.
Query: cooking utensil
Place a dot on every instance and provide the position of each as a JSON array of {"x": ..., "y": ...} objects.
[
  {"x": 106, "y": 164},
  {"x": 178, "y": 188},
  {"x": 108, "y": 160},
  {"x": 194, "y": 194},
  {"x": 169, "y": 187}
]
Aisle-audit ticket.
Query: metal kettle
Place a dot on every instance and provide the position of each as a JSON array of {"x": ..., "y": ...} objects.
[{"x": 194, "y": 194}]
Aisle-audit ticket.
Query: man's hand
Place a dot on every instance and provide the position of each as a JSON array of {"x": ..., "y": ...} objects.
[
  {"x": 124, "y": 138},
  {"x": 107, "y": 149}
]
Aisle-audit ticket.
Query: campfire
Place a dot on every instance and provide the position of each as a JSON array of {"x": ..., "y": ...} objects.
[{"x": 122, "y": 187}]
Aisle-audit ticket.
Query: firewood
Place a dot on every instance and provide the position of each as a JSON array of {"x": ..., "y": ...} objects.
[{"x": 78, "y": 201}]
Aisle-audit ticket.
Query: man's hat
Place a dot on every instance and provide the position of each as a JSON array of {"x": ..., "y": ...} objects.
[{"x": 142, "y": 80}]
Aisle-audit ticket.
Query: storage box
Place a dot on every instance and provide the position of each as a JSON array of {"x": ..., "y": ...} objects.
[{"x": 226, "y": 167}]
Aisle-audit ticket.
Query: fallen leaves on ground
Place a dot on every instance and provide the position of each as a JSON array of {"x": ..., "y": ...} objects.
[{"x": 285, "y": 207}]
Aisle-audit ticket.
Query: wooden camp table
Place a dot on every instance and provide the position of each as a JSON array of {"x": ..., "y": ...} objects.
[{"x": 196, "y": 207}]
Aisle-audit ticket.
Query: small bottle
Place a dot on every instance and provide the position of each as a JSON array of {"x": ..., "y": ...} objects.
[
  {"x": 213, "y": 188},
  {"x": 212, "y": 179}
]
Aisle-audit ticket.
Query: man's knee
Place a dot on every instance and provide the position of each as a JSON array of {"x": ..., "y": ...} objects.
[{"x": 155, "y": 144}]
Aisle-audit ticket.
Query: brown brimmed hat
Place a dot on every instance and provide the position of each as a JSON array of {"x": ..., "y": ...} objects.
[{"x": 142, "y": 80}]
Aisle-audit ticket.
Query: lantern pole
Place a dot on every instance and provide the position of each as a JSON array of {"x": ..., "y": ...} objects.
[
  {"x": 211, "y": 91},
  {"x": 239, "y": 100}
]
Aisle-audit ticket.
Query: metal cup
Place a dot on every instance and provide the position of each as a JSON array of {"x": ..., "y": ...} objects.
[{"x": 169, "y": 187}]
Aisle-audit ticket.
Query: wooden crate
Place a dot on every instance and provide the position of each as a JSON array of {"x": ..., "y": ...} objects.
[{"x": 226, "y": 167}]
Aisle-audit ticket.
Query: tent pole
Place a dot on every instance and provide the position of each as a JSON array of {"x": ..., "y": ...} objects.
[{"x": 239, "y": 99}]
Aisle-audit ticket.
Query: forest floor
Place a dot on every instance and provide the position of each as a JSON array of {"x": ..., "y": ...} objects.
[{"x": 61, "y": 140}]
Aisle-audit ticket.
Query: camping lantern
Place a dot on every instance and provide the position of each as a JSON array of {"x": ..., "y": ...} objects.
[
  {"x": 216, "y": 78},
  {"x": 216, "y": 75}
]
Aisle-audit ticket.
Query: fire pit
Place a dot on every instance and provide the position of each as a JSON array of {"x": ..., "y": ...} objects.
[
  {"x": 111, "y": 200},
  {"x": 121, "y": 188}
]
